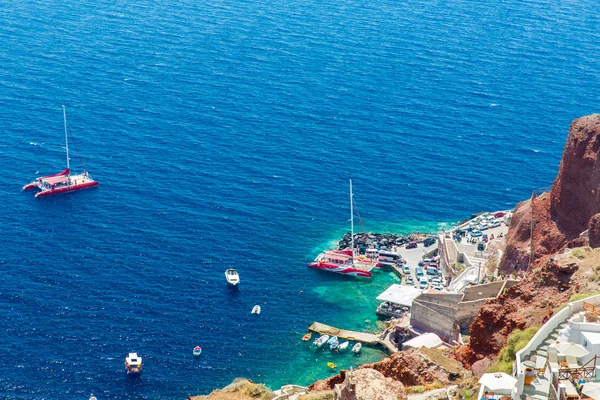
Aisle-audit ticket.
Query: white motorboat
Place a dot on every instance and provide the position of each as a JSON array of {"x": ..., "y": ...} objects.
[
  {"x": 133, "y": 363},
  {"x": 321, "y": 340},
  {"x": 256, "y": 309},
  {"x": 343, "y": 346},
  {"x": 332, "y": 339},
  {"x": 232, "y": 277},
  {"x": 357, "y": 347},
  {"x": 197, "y": 351}
]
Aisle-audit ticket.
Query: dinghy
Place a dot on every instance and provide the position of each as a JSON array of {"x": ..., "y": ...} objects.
[
  {"x": 343, "y": 346},
  {"x": 197, "y": 351},
  {"x": 306, "y": 337},
  {"x": 331, "y": 365},
  {"x": 357, "y": 347},
  {"x": 321, "y": 340},
  {"x": 333, "y": 339},
  {"x": 256, "y": 309},
  {"x": 334, "y": 345}
]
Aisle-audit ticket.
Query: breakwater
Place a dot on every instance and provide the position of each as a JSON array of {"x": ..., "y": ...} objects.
[{"x": 378, "y": 240}]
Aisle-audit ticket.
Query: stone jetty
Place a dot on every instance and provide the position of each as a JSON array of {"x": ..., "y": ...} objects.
[{"x": 378, "y": 240}]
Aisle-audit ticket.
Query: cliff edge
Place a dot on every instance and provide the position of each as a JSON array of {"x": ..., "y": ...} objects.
[{"x": 541, "y": 231}]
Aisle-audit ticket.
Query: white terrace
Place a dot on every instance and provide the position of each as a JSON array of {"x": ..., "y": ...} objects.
[{"x": 563, "y": 358}]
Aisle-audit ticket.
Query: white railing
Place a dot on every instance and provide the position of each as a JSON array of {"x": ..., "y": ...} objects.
[{"x": 548, "y": 327}]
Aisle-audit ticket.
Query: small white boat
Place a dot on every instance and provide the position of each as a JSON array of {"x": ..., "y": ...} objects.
[
  {"x": 256, "y": 309},
  {"x": 133, "y": 363},
  {"x": 357, "y": 347},
  {"x": 343, "y": 346},
  {"x": 334, "y": 345},
  {"x": 332, "y": 340},
  {"x": 197, "y": 351},
  {"x": 232, "y": 277},
  {"x": 321, "y": 340}
]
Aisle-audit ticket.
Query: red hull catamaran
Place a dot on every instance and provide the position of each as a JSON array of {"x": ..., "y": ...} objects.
[
  {"x": 63, "y": 182},
  {"x": 345, "y": 262}
]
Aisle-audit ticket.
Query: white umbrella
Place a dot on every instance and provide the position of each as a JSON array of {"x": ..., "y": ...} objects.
[
  {"x": 498, "y": 382},
  {"x": 591, "y": 389},
  {"x": 570, "y": 349}
]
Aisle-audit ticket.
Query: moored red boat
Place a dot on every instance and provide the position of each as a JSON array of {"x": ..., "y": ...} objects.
[
  {"x": 62, "y": 182},
  {"x": 346, "y": 262},
  {"x": 338, "y": 262}
]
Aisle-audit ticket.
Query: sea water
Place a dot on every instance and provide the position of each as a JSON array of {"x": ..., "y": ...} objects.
[{"x": 223, "y": 134}]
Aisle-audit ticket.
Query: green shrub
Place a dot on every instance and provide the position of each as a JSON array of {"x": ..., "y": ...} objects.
[
  {"x": 581, "y": 296},
  {"x": 580, "y": 252},
  {"x": 258, "y": 391},
  {"x": 415, "y": 389},
  {"x": 516, "y": 341}
]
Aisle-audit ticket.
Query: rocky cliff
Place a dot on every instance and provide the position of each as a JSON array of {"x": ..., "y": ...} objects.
[
  {"x": 576, "y": 191},
  {"x": 419, "y": 367},
  {"x": 548, "y": 223}
]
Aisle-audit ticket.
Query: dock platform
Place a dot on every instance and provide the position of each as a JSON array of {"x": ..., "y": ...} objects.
[{"x": 363, "y": 337}]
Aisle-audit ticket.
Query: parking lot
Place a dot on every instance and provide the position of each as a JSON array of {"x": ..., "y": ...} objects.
[{"x": 413, "y": 256}]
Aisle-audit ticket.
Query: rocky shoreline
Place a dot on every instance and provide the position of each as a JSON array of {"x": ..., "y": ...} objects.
[{"x": 379, "y": 240}]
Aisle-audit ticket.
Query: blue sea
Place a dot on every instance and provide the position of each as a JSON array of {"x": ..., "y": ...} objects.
[{"x": 223, "y": 134}]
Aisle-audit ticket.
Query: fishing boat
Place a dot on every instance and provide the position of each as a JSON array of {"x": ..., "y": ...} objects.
[
  {"x": 334, "y": 345},
  {"x": 321, "y": 340},
  {"x": 343, "y": 346},
  {"x": 345, "y": 262},
  {"x": 197, "y": 351},
  {"x": 133, "y": 363},
  {"x": 232, "y": 276},
  {"x": 357, "y": 347},
  {"x": 255, "y": 309},
  {"x": 62, "y": 182},
  {"x": 307, "y": 337},
  {"x": 331, "y": 365}
]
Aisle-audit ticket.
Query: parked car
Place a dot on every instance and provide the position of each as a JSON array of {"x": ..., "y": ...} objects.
[
  {"x": 405, "y": 269},
  {"x": 423, "y": 283},
  {"x": 481, "y": 246},
  {"x": 432, "y": 271},
  {"x": 429, "y": 241},
  {"x": 485, "y": 238},
  {"x": 419, "y": 271},
  {"x": 476, "y": 233},
  {"x": 436, "y": 282},
  {"x": 411, "y": 245},
  {"x": 410, "y": 281},
  {"x": 495, "y": 223},
  {"x": 483, "y": 226},
  {"x": 433, "y": 265},
  {"x": 499, "y": 214}
]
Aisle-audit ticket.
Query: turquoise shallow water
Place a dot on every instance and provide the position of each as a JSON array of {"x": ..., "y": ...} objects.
[{"x": 223, "y": 135}]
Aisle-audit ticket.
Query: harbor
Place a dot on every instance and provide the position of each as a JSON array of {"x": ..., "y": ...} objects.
[{"x": 443, "y": 281}]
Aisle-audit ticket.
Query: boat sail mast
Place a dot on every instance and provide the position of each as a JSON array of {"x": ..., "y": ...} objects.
[
  {"x": 351, "y": 219},
  {"x": 66, "y": 137}
]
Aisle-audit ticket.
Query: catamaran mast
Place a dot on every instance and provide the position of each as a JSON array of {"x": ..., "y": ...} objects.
[
  {"x": 351, "y": 218},
  {"x": 66, "y": 137}
]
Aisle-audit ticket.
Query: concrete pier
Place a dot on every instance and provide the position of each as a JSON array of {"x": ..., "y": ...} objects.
[{"x": 363, "y": 337}]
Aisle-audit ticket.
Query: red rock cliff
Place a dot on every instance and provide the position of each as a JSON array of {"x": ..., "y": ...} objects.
[
  {"x": 558, "y": 218},
  {"x": 576, "y": 190}
]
